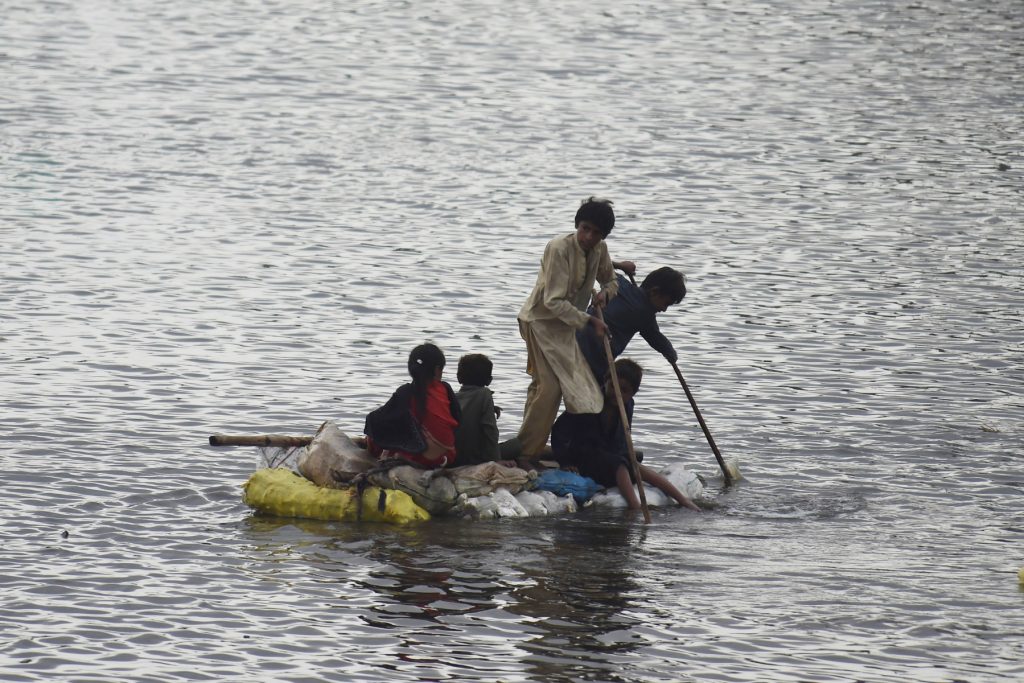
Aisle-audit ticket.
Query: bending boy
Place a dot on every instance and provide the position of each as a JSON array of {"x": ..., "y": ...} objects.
[
  {"x": 550, "y": 317},
  {"x": 595, "y": 445},
  {"x": 633, "y": 310}
]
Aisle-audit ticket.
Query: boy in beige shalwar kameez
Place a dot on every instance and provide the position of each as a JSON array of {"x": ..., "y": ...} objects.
[{"x": 550, "y": 317}]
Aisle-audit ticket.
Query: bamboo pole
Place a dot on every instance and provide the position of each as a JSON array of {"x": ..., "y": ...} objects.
[
  {"x": 279, "y": 440},
  {"x": 729, "y": 478},
  {"x": 625, "y": 422}
]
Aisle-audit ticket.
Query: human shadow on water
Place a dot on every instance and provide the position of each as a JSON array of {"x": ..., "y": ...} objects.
[
  {"x": 408, "y": 571},
  {"x": 580, "y": 588},
  {"x": 565, "y": 585}
]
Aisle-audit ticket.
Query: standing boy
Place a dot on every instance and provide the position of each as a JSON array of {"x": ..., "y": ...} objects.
[
  {"x": 596, "y": 447},
  {"x": 633, "y": 310},
  {"x": 552, "y": 314}
]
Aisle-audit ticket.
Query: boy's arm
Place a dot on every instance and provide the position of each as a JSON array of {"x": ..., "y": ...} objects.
[
  {"x": 627, "y": 267},
  {"x": 657, "y": 341},
  {"x": 489, "y": 431},
  {"x": 606, "y": 276}
]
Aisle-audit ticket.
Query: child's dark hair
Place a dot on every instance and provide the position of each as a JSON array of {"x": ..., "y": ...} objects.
[
  {"x": 668, "y": 281},
  {"x": 629, "y": 371},
  {"x": 475, "y": 370},
  {"x": 424, "y": 361},
  {"x": 597, "y": 211}
]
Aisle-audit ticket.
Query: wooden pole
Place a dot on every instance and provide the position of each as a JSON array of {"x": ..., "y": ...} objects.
[
  {"x": 279, "y": 440},
  {"x": 703, "y": 426},
  {"x": 625, "y": 423}
]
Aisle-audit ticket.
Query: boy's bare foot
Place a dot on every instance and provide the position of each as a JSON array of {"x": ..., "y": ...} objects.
[{"x": 525, "y": 463}]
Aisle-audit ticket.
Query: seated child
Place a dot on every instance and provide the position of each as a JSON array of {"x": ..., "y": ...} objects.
[
  {"x": 419, "y": 420},
  {"x": 476, "y": 438},
  {"x": 633, "y": 310},
  {"x": 595, "y": 444}
]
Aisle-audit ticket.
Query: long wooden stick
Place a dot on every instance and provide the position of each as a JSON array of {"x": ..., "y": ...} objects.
[
  {"x": 279, "y": 440},
  {"x": 625, "y": 422},
  {"x": 703, "y": 425}
]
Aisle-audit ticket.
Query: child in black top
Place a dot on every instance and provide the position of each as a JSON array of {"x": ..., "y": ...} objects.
[
  {"x": 633, "y": 310},
  {"x": 595, "y": 444}
]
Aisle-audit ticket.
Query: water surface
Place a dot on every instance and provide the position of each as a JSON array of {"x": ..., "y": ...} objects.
[{"x": 241, "y": 217}]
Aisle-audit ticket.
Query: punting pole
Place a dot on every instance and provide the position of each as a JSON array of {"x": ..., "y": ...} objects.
[
  {"x": 729, "y": 478},
  {"x": 625, "y": 422}
]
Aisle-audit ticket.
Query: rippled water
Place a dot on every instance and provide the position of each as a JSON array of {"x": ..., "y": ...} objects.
[{"x": 239, "y": 217}]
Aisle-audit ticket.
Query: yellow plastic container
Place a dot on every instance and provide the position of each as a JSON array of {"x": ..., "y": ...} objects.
[{"x": 283, "y": 493}]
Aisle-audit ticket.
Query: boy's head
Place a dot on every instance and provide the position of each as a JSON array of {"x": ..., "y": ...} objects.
[
  {"x": 475, "y": 370},
  {"x": 597, "y": 212},
  {"x": 664, "y": 287},
  {"x": 630, "y": 373}
]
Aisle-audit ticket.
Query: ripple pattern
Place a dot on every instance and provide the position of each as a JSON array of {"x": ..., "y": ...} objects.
[{"x": 239, "y": 217}]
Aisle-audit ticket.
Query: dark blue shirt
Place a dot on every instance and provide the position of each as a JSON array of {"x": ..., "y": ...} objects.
[
  {"x": 595, "y": 449},
  {"x": 629, "y": 312}
]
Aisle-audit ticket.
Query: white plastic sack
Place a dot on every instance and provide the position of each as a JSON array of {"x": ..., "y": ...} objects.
[
  {"x": 498, "y": 503},
  {"x": 686, "y": 481},
  {"x": 332, "y": 459},
  {"x": 545, "y": 503},
  {"x": 533, "y": 503}
]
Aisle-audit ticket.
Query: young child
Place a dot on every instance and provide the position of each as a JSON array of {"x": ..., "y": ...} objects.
[
  {"x": 419, "y": 420},
  {"x": 476, "y": 438},
  {"x": 595, "y": 445},
  {"x": 633, "y": 310},
  {"x": 550, "y": 317}
]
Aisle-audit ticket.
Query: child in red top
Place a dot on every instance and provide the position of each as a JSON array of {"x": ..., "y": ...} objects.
[{"x": 418, "y": 422}]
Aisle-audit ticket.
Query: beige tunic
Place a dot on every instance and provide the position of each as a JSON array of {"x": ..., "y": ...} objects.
[
  {"x": 566, "y": 280},
  {"x": 548, "y": 322}
]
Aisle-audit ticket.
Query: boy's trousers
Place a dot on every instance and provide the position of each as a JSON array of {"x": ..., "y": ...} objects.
[{"x": 557, "y": 368}]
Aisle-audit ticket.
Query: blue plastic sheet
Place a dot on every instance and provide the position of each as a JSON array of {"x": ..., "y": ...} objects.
[{"x": 561, "y": 483}]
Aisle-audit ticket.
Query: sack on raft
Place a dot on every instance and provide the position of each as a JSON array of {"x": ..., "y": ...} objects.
[
  {"x": 479, "y": 480},
  {"x": 283, "y": 493},
  {"x": 332, "y": 459},
  {"x": 499, "y": 503},
  {"x": 683, "y": 479},
  {"x": 546, "y": 503},
  {"x": 431, "y": 490},
  {"x": 561, "y": 482},
  {"x": 438, "y": 491},
  {"x": 502, "y": 503}
]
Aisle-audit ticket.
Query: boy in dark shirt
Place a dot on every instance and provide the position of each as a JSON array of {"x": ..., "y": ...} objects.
[
  {"x": 633, "y": 310},
  {"x": 476, "y": 437},
  {"x": 595, "y": 444}
]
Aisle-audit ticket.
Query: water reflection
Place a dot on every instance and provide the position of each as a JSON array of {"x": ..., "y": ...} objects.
[
  {"x": 571, "y": 581},
  {"x": 578, "y": 590},
  {"x": 213, "y": 223}
]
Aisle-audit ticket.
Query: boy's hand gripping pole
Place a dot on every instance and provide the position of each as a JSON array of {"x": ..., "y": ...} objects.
[{"x": 625, "y": 422}]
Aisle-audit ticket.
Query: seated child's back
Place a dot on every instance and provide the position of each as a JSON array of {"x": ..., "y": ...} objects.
[
  {"x": 476, "y": 438},
  {"x": 418, "y": 422}
]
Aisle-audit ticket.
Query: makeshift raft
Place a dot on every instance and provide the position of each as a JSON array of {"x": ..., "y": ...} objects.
[{"x": 333, "y": 479}]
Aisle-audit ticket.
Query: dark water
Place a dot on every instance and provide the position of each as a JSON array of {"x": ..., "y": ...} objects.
[{"x": 239, "y": 217}]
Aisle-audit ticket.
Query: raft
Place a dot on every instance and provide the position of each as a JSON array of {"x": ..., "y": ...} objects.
[
  {"x": 300, "y": 481},
  {"x": 283, "y": 493}
]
